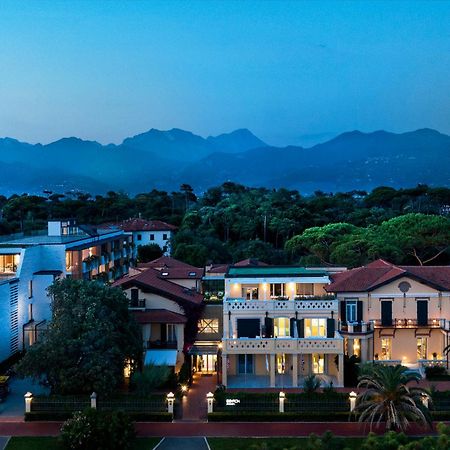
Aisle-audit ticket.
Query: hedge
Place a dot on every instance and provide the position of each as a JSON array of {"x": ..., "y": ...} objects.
[
  {"x": 62, "y": 416},
  {"x": 280, "y": 417}
]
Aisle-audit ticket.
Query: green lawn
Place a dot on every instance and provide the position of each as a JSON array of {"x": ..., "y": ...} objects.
[
  {"x": 51, "y": 443},
  {"x": 270, "y": 443}
]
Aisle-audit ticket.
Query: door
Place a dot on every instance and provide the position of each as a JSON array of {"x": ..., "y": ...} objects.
[
  {"x": 422, "y": 313},
  {"x": 386, "y": 313},
  {"x": 318, "y": 363},
  {"x": 251, "y": 293},
  {"x": 208, "y": 363},
  {"x": 245, "y": 364}
]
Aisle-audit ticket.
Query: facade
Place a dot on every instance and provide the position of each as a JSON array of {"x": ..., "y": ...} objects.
[
  {"x": 145, "y": 232},
  {"x": 29, "y": 265},
  {"x": 167, "y": 312},
  {"x": 394, "y": 314},
  {"x": 279, "y": 326}
]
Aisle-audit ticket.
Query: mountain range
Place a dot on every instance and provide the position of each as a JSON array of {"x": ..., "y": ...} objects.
[{"x": 166, "y": 159}]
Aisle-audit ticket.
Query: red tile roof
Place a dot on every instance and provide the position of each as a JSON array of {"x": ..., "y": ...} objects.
[
  {"x": 151, "y": 281},
  {"x": 218, "y": 268},
  {"x": 380, "y": 272},
  {"x": 142, "y": 225},
  {"x": 158, "y": 316},
  {"x": 171, "y": 268},
  {"x": 250, "y": 262}
]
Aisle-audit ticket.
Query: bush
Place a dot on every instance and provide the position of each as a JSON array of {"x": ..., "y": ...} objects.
[
  {"x": 311, "y": 384},
  {"x": 436, "y": 373},
  {"x": 93, "y": 430},
  {"x": 149, "y": 252},
  {"x": 326, "y": 416},
  {"x": 151, "y": 378}
]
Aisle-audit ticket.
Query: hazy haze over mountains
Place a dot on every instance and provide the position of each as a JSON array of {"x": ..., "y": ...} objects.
[{"x": 165, "y": 159}]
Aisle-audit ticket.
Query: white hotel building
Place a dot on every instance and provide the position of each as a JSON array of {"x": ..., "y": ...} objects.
[{"x": 279, "y": 326}]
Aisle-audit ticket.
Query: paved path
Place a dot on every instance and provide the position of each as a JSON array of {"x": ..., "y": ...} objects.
[
  {"x": 194, "y": 403},
  {"x": 3, "y": 442},
  {"x": 192, "y": 443}
]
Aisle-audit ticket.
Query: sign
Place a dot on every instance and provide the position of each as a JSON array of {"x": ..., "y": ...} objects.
[{"x": 232, "y": 401}]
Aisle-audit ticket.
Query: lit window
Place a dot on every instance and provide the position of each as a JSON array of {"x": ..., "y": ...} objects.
[
  {"x": 276, "y": 289},
  {"x": 386, "y": 348},
  {"x": 305, "y": 289},
  {"x": 281, "y": 327},
  {"x": 315, "y": 327},
  {"x": 208, "y": 326},
  {"x": 357, "y": 347},
  {"x": 192, "y": 274},
  {"x": 318, "y": 363},
  {"x": 422, "y": 347},
  {"x": 281, "y": 363}
]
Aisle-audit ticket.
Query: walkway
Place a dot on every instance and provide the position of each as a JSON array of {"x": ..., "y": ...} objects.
[
  {"x": 183, "y": 443},
  {"x": 3, "y": 442},
  {"x": 194, "y": 403}
]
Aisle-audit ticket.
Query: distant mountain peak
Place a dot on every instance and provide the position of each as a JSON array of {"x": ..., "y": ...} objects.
[{"x": 239, "y": 140}]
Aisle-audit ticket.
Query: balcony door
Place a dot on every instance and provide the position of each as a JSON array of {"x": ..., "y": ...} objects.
[
  {"x": 422, "y": 313},
  {"x": 386, "y": 313},
  {"x": 318, "y": 363},
  {"x": 250, "y": 293},
  {"x": 245, "y": 364}
]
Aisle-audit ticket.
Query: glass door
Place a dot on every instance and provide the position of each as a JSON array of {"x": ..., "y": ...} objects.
[{"x": 318, "y": 363}]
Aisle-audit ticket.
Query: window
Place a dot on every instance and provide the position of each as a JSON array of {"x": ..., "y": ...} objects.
[
  {"x": 422, "y": 344},
  {"x": 318, "y": 363},
  {"x": 277, "y": 289},
  {"x": 386, "y": 348},
  {"x": 281, "y": 327},
  {"x": 315, "y": 328},
  {"x": 350, "y": 311},
  {"x": 208, "y": 326},
  {"x": 152, "y": 237},
  {"x": 357, "y": 347},
  {"x": 250, "y": 293},
  {"x": 9, "y": 263},
  {"x": 245, "y": 364},
  {"x": 281, "y": 363},
  {"x": 165, "y": 237},
  {"x": 304, "y": 289},
  {"x": 171, "y": 334},
  {"x": 139, "y": 237}
]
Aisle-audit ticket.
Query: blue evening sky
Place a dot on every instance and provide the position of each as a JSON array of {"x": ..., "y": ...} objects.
[{"x": 292, "y": 72}]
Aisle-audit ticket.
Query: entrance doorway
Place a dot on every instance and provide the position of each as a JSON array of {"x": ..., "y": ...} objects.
[{"x": 208, "y": 363}]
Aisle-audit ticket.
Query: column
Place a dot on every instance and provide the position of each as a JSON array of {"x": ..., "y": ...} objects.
[
  {"x": 364, "y": 350},
  {"x": 295, "y": 370},
  {"x": 272, "y": 370},
  {"x": 224, "y": 369},
  {"x": 341, "y": 370}
]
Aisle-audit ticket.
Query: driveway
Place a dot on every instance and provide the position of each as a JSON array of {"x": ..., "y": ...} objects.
[
  {"x": 14, "y": 404},
  {"x": 192, "y": 443}
]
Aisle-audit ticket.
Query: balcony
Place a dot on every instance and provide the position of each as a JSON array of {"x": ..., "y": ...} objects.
[
  {"x": 162, "y": 345},
  {"x": 137, "y": 303},
  {"x": 283, "y": 345},
  {"x": 355, "y": 327},
  {"x": 413, "y": 323},
  {"x": 240, "y": 305}
]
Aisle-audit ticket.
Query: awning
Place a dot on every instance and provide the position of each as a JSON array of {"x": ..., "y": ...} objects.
[
  {"x": 203, "y": 349},
  {"x": 160, "y": 357}
]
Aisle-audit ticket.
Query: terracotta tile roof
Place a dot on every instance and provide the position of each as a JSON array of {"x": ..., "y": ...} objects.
[
  {"x": 218, "y": 268},
  {"x": 137, "y": 224},
  {"x": 379, "y": 272},
  {"x": 250, "y": 262},
  {"x": 151, "y": 281},
  {"x": 171, "y": 268},
  {"x": 158, "y": 316}
]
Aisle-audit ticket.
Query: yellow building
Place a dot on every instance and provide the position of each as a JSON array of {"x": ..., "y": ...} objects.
[{"x": 394, "y": 314}]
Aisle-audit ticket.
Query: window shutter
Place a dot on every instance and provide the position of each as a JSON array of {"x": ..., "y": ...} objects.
[
  {"x": 301, "y": 328},
  {"x": 330, "y": 328},
  {"x": 343, "y": 312},
  {"x": 163, "y": 332},
  {"x": 268, "y": 322},
  {"x": 422, "y": 312},
  {"x": 293, "y": 324},
  {"x": 359, "y": 311}
]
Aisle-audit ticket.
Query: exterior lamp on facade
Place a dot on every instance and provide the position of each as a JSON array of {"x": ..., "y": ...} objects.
[
  {"x": 282, "y": 398},
  {"x": 170, "y": 401},
  {"x": 210, "y": 401},
  {"x": 352, "y": 397},
  {"x": 184, "y": 388}
]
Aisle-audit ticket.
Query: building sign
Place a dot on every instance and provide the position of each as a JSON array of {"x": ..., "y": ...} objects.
[{"x": 232, "y": 401}]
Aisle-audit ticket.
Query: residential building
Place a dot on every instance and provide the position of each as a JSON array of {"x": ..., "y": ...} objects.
[
  {"x": 167, "y": 311},
  {"x": 147, "y": 232},
  {"x": 279, "y": 326},
  {"x": 30, "y": 263},
  {"x": 394, "y": 314}
]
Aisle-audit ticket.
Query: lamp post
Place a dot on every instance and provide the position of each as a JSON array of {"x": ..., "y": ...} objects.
[
  {"x": 170, "y": 401},
  {"x": 282, "y": 398},
  {"x": 210, "y": 401},
  {"x": 352, "y": 397},
  {"x": 28, "y": 398}
]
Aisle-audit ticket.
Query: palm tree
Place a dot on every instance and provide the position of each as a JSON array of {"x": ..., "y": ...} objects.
[{"x": 387, "y": 397}]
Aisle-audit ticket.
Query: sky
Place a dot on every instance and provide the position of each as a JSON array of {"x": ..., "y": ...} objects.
[{"x": 291, "y": 72}]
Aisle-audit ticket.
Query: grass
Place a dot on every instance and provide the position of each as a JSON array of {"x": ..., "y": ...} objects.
[
  {"x": 271, "y": 443},
  {"x": 51, "y": 443}
]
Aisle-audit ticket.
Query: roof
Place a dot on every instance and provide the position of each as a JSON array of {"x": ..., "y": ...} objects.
[
  {"x": 48, "y": 272},
  {"x": 250, "y": 262},
  {"x": 273, "y": 271},
  {"x": 158, "y": 316},
  {"x": 171, "y": 268},
  {"x": 217, "y": 268},
  {"x": 380, "y": 272},
  {"x": 150, "y": 280},
  {"x": 137, "y": 224}
]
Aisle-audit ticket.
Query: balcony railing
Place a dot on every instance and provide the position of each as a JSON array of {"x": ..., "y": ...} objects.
[
  {"x": 355, "y": 327},
  {"x": 162, "y": 345},
  {"x": 275, "y": 306},
  {"x": 139, "y": 303},
  {"x": 284, "y": 345},
  {"x": 412, "y": 323}
]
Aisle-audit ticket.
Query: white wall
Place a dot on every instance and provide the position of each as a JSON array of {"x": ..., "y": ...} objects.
[{"x": 145, "y": 239}]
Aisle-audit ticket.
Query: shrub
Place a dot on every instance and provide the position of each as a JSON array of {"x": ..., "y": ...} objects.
[
  {"x": 311, "y": 384},
  {"x": 94, "y": 430},
  {"x": 436, "y": 372},
  {"x": 151, "y": 378}
]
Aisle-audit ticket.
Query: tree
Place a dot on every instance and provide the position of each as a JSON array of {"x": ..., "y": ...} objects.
[
  {"x": 88, "y": 341},
  {"x": 150, "y": 378},
  {"x": 387, "y": 397},
  {"x": 149, "y": 252}
]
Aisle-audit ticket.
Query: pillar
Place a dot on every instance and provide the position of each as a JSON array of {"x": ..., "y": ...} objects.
[
  {"x": 28, "y": 399},
  {"x": 210, "y": 401},
  {"x": 272, "y": 370},
  {"x": 224, "y": 369},
  {"x": 295, "y": 370},
  {"x": 170, "y": 402},
  {"x": 281, "y": 399},
  {"x": 341, "y": 370},
  {"x": 364, "y": 350}
]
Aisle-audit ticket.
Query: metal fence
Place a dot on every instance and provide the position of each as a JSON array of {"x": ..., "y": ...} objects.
[{"x": 60, "y": 403}]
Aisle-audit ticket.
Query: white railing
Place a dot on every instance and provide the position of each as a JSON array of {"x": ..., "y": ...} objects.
[
  {"x": 234, "y": 305},
  {"x": 432, "y": 362},
  {"x": 283, "y": 345}
]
